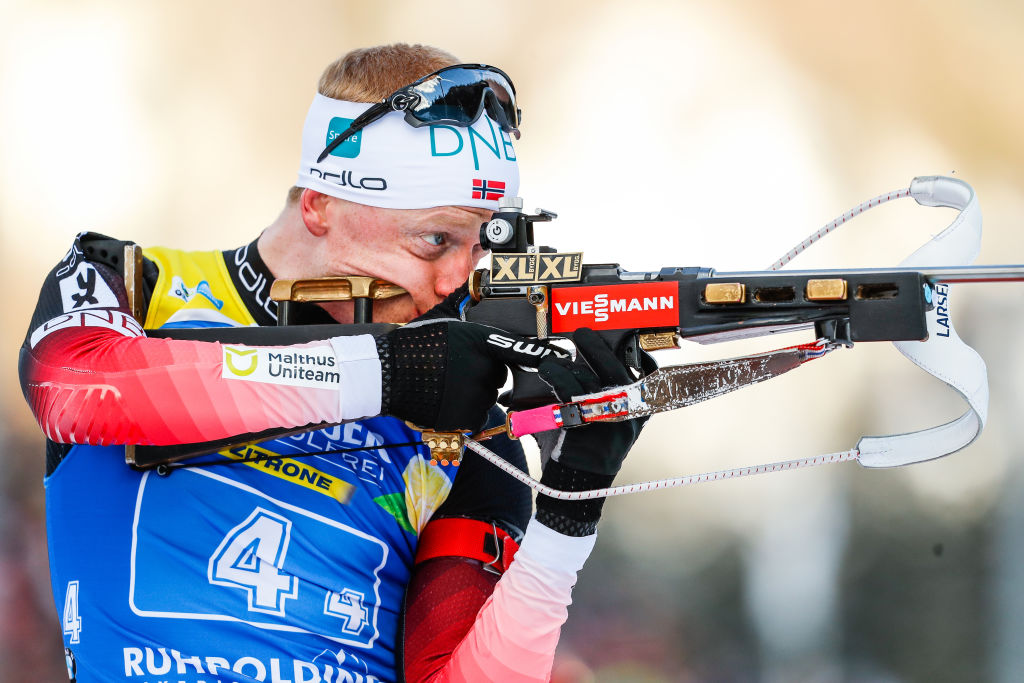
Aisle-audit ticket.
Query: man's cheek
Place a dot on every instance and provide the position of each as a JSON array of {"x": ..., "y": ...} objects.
[{"x": 398, "y": 310}]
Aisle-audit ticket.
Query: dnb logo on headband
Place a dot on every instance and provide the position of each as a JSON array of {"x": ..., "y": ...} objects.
[
  {"x": 488, "y": 189},
  {"x": 348, "y": 149}
]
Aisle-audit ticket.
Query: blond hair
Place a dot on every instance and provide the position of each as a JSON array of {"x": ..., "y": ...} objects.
[{"x": 370, "y": 74}]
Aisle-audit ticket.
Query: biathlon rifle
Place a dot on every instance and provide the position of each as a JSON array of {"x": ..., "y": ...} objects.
[{"x": 538, "y": 292}]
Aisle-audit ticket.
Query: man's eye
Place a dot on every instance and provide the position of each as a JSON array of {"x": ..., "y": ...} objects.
[{"x": 434, "y": 238}]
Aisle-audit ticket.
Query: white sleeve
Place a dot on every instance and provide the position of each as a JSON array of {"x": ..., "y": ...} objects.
[
  {"x": 359, "y": 365},
  {"x": 516, "y": 631}
]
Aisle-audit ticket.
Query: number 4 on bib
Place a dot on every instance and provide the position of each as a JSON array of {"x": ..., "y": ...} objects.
[
  {"x": 71, "y": 622},
  {"x": 250, "y": 558}
]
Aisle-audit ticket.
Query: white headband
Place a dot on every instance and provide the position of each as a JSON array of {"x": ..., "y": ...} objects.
[{"x": 394, "y": 165}]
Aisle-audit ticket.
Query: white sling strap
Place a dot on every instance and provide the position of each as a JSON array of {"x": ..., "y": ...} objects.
[{"x": 943, "y": 355}]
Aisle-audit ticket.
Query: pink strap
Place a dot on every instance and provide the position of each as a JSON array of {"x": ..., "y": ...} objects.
[{"x": 534, "y": 420}]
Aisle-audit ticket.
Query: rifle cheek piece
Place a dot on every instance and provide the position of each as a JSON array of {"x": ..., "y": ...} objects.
[{"x": 359, "y": 289}]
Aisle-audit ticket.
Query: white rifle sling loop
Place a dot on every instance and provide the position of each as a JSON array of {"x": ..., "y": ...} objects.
[{"x": 944, "y": 355}]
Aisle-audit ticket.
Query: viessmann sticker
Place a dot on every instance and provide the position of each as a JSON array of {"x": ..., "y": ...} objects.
[{"x": 609, "y": 307}]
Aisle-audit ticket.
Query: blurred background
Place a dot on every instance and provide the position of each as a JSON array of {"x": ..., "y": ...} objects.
[{"x": 663, "y": 133}]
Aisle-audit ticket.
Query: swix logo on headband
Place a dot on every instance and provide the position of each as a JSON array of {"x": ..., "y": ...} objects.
[
  {"x": 610, "y": 307},
  {"x": 488, "y": 189},
  {"x": 348, "y": 149}
]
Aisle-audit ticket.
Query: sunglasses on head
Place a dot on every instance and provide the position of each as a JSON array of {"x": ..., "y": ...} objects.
[{"x": 455, "y": 95}]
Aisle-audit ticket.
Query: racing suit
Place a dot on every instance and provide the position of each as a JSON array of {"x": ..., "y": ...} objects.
[{"x": 292, "y": 565}]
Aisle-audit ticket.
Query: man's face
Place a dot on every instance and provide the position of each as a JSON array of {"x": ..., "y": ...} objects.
[{"x": 427, "y": 252}]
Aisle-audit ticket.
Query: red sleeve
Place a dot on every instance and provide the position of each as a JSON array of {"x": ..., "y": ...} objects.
[
  {"x": 90, "y": 375},
  {"x": 97, "y": 386},
  {"x": 443, "y": 599},
  {"x": 505, "y": 630}
]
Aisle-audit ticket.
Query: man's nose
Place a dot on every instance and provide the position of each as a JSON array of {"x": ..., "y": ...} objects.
[{"x": 453, "y": 271}]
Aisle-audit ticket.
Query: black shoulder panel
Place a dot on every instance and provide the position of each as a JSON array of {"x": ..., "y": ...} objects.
[{"x": 108, "y": 251}]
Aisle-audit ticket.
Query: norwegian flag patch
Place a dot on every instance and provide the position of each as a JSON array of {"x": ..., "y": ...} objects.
[{"x": 488, "y": 189}]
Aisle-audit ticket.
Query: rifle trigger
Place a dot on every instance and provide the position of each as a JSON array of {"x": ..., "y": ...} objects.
[{"x": 836, "y": 331}]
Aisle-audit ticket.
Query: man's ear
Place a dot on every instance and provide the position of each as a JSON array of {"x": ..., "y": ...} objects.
[{"x": 313, "y": 206}]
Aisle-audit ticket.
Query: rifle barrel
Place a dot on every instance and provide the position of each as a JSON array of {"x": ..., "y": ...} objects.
[
  {"x": 1012, "y": 273},
  {"x": 945, "y": 274}
]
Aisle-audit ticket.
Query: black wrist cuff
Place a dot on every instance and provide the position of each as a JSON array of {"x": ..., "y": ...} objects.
[
  {"x": 384, "y": 354},
  {"x": 566, "y": 525},
  {"x": 413, "y": 366},
  {"x": 571, "y": 517}
]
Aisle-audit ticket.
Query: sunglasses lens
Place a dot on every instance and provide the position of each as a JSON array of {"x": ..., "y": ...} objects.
[
  {"x": 455, "y": 95},
  {"x": 459, "y": 95}
]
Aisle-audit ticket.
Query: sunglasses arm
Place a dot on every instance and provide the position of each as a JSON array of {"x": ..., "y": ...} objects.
[{"x": 366, "y": 118}]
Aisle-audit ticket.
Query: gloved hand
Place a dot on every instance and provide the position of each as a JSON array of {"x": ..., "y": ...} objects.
[
  {"x": 445, "y": 374},
  {"x": 588, "y": 457},
  {"x": 449, "y": 307}
]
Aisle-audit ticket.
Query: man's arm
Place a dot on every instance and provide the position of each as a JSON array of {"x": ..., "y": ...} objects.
[
  {"x": 510, "y": 633},
  {"x": 91, "y": 375},
  {"x": 460, "y": 556},
  {"x": 464, "y": 624}
]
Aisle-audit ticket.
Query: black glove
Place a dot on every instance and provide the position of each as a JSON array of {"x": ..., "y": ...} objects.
[
  {"x": 449, "y": 307},
  {"x": 589, "y": 457},
  {"x": 445, "y": 374}
]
